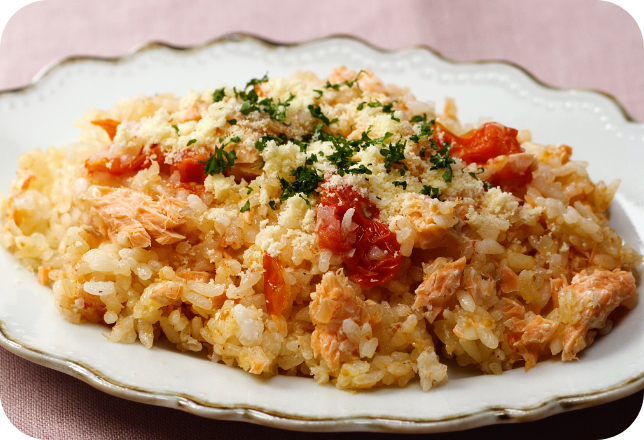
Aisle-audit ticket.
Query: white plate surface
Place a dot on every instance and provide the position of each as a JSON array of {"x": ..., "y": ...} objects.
[{"x": 593, "y": 124}]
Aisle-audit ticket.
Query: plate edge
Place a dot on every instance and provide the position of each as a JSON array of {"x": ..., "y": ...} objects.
[
  {"x": 266, "y": 417},
  {"x": 269, "y": 43},
  {"x": 262, "y": 416}
]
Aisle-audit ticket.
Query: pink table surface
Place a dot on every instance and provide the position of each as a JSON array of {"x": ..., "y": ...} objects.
[{"x": 566, "y": 43}]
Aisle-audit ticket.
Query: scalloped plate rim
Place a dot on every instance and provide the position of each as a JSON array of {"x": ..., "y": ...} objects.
[{"x": 266, "y": 417}]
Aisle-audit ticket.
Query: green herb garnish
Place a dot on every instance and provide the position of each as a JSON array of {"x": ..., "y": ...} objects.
[
  {"x": 248, "y": 190},
  {"x": 394, "y": 154},
  {"x": 399, "y": 183},
  {"x": 260, "y": 143},
  {"x": 442, "y": 160},
  {"x": 386, "y": 108},
  {"x": 316, "y": 112},
  {"x": 176, "y": 129},
  {"x": 233, "y": 140},
  {"x": 486, "y": 185},
  {"x": 430, "y": 191},
  {"x": 232, "y": 121},
  {"x": 342, "y": 156},
  {"x": 425, "y": 130},
  {"x": 246, "y": 207},
  {"x": 306, "y": 182},
  {"x": 349, "y": 84},
  {"x": 252, "y": 103},
  {"x": 272, "y": 205},
  {"x": 220, "y": 161},
  {"x": 218, "y": 94},
  {"x": 190, "y": 142}
]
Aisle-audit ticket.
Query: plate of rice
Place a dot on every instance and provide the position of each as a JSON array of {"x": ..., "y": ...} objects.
[{"x": 323, "y": 236}]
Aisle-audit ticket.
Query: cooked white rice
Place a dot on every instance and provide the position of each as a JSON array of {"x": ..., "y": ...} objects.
[{"x": 234, "y": 267}]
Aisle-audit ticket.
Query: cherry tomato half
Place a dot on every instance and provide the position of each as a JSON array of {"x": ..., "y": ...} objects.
[
  {"x": 191, "y": 166},
  {"x": 487, "y": 142},
  {"x": 369, "y": 249}
]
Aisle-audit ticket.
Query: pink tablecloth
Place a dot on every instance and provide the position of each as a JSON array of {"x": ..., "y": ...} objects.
[{"x": 567, "y": 43}]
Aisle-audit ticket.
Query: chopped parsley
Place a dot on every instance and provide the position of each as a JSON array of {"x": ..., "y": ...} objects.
[
  {"x": 232, "y": 121},
  {"x": 259, "y": 165},
  {"x": 425, "y": 130},
  {"x": 260, "y": 143},
  {"x": 386, "y": 108},
  {"x": 221, "y": 160},
  {"x": 419, "y": 118},
  {"x": 218, "y": 94},
  {"x": 319, "y": 92},
  {"x": 272, "y": 205},
  {"x": 247, "y": 107},
  {"x": 430, "y": 191},
  {"x": 252, "y": 103},
  {"x": 248, "y": 190},
  {"x": 486, "y": 185},
  {"x": 318, "y": 134},
  {"x": 306, "y": 182},
  {"x": 176, "y": 129},
  {"x": 316, "y": 112},
  {"x": 394, "y": 155},
  {"x": 246, "y": 207},
  {"x": 442, "y": 160},
  {"x": 303, "y": 145},
  {"x": 244, "y": 94},
  {"x": 403, "y": 184},
  {"x": 365, "y": 141},
  {"x": 311, "y": 159},
  {"x": 349, "y": 84},
  {"x": 190, "y": 142},
  {"x": 474, "y": 175},
  {"x": 372, "y": 104},
  {"x": 342, "y": 156},
  {"x": 380, "y": 140},
  {"x": 276, "y": 111},
  {"x": 233, "y": 140}
]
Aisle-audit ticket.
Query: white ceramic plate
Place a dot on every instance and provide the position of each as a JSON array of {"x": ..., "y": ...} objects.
[{"x": 600, "y": 132}]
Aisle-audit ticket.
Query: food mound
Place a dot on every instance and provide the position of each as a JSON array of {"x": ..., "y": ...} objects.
[{"x": 334, "y": 228}]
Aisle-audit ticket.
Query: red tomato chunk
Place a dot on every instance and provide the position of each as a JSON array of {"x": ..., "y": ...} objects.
[
  {"x": 485, "y": 143},
  {"x": 490, "y": 145},
  {"x": 115, "y": 166},
  {"x": 191, "y": 167},
  {"x": 368, "y": 248},
  {"x": 276, "y": 291}
]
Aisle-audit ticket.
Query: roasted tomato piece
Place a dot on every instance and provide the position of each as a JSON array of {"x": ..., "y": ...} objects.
[
  {"x": 485, "y": 143},
  {"x": 368, "y": 248},
  {"x": 191, "y": 167},
  {"x": 102, "y": 161},
  {"x": 512, "y": 173},
  {"x": 276, "y": 291},
  {"x": 109, "y": 125},
  {"x": 377, "y": 256}
]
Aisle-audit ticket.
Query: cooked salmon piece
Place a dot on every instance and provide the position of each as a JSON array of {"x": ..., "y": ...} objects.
[
  {"x": 136, "y": 217},
  {"x": 336, "y": 299},
  {"x": 509, "y": 281},
  {"x": 595, "y": 296},
  {"x": 438, "y": 287}
]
